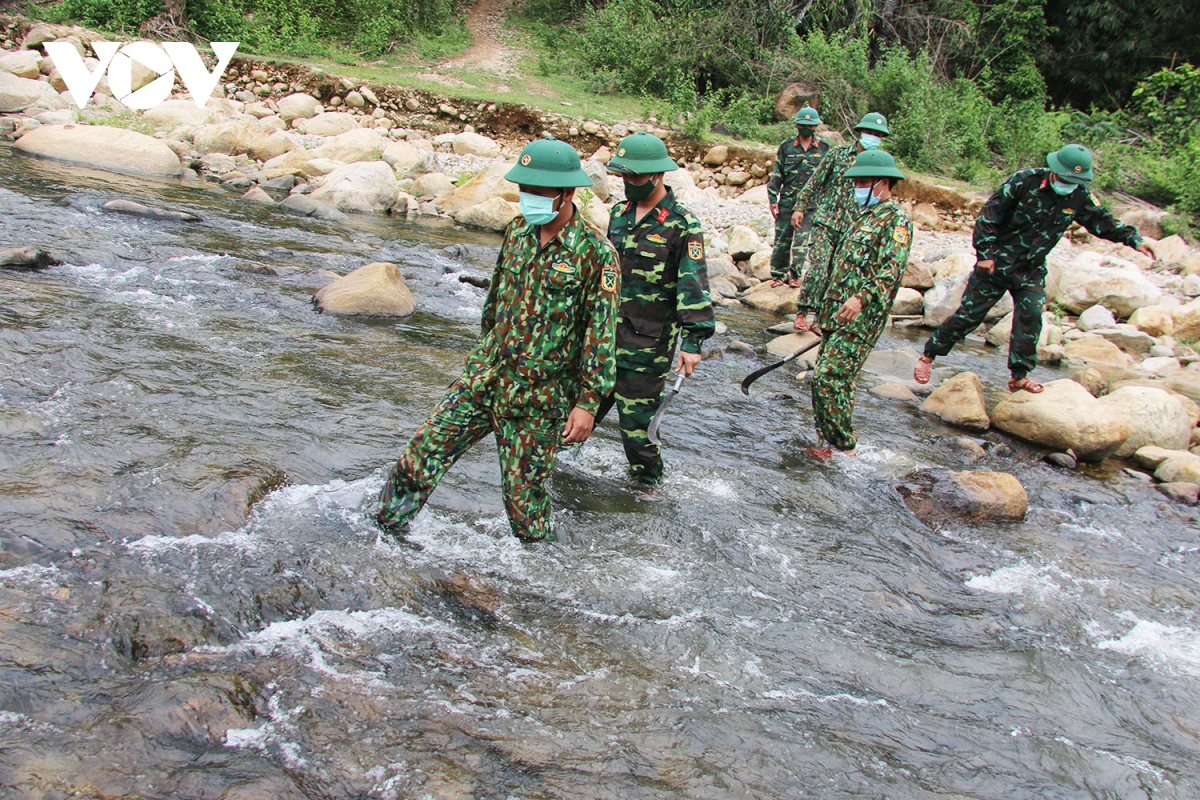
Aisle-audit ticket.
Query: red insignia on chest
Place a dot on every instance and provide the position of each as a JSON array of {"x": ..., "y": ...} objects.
[{"x": 662, "y": 215}]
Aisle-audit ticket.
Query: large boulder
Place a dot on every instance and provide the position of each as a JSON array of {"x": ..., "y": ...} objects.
[
  {"x": 779, "y": 300},
  {"x": 943, "y": 300},
  {"x": 743, "y": 242},
  {"x": 484, "y": 185},
  {"x": 101, "y": 147},
  {"x": 492, "y": 214},
  {"x": 365, "y": 186},
  {"x": 360, "y": 144},
  {"x": 1063, "y": 417},
  {"x": 1155, "y": 418},
  {"x": 375, "y": 290},
  {"x": 934, "y": 495},
  {"x": 1186, "y": 320},
  {"x": 476, "y": 144},
  {"x": 329, "y": 123},
  {"x": 1153, "y": 320},
  {"x": 172, "y": 114},
  {"x": 23, "y": 64},
  {"x": 1180, "y": 468},
  {"x": 401, "y": 155},
  {"x": 298, "y": 106},
  {"x": 242, "y": 136},
  {"x": 917, "y": 275},
  {"x": 431, "y": 186},
  {"x": 1096, "y": 351},
  {"x": 959, "y": 402},
  {"x": 908, "y": 303},
  {"x": 1119, "y": 285},
  {"x": 19, "y": 94}
]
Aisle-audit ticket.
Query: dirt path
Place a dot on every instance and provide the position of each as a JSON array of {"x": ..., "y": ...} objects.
[{"x": 492, "y": 50}]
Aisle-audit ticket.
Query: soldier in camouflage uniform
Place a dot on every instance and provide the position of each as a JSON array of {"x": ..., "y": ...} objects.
[
  {"x": 545, "y": 355},
  {"x": 833, "y": 197},
  {"x": 1018, "y": 226},
  {"x": 794, "y": 164},
  {"x": 863, "y": 282},
  {"x": 664, "y": 293}
]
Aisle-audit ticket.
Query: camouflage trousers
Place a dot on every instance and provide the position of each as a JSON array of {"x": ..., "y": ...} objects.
[
  {"x": 843, "y": 353},
  {"x": 822, "y": 243},
  {"x": 984, "y": 291},
  {"x": 527, "y": 447},
  {"x": 791, "y": 245},
  {"x": 637, "y": 396}
]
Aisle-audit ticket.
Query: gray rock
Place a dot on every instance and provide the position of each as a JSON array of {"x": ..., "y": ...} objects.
[
  {"x": 139, "y": 210},
  {"x": 1095, "y": 317},
  {"x": 26, "y": 258},
  {"x": 1063, "y": 460}
]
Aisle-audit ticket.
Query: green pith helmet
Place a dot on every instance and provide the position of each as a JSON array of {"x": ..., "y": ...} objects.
[
  {"x": 874, "y": 164},
  {"x": 807, "y": 116},
  {"x": 1072, "y": 163},
  {"x": 548, "y": 163},
  {"x": 641, "y": 154},
  {"x": 874, "y": 122}
]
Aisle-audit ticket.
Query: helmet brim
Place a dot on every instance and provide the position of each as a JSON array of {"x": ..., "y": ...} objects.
[
  {"x": 641, "y": 166},
  {"x": 874, "y": 172},
  {"x": 1061, "y": 170},
  {"x": 548, "y": 179}
]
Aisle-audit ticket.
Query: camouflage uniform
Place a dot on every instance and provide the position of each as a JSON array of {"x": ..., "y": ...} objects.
[
  {"x": 833, "y": 196},
  {"x": 664, "y": 291},
  {"x": 793, "y": 167},
  {"x": 1018, "y": 226},
  {"x": 869, "y": 264},
  {"x": 547, "y": 339}
]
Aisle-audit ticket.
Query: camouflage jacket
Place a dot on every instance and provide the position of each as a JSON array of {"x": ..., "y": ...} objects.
[
  {"x": 793, "y": 167},
  {"x": 830, "y": 190},
  {"x": 548, "y": 323},
  {"x": 1023, "y": 221},
  {"x": 664, "y": 284},
  {"x": 869, "y": 264}
]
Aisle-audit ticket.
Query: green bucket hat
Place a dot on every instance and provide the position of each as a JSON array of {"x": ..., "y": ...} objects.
[
  {"x": 641, "y": 154},
  {"x": 1072, "y": 163},
  {"x": 548, "y": 163},
  {"x": 874, "y": 164},
  {"x": 874, "y": 122},
  {"x": 807, "y": 116}
]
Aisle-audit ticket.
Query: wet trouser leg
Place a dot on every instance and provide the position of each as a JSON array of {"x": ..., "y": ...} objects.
[
  {"x": 982, "y": 292},
  {"x": 458, "y": 422},
  {"x": 1029, "y": 299},
  {"x": 781, "y": 254},
  {"x": 800, "y": 245},
  {"x": 843, "y": 353},
  {"x": 822, "y": 243},
  {"x": 637, "y": 396}
]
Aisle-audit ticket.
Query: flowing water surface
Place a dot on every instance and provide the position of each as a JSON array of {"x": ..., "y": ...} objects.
[{"x": 194, "y": 603}]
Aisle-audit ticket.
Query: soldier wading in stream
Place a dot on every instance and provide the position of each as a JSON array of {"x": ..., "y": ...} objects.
[
  {"x": 664, "y": 293},
  {"x": 863, "y": 281},
  {"x": 1018, "y": 227},
  {"x": 544, "y": 361}
]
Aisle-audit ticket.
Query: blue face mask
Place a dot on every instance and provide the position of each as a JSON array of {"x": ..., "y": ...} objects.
[
  {"x": 1063, "y": 187},
  {"x": 869, "y": 141},
  {"x": 865, "y": 197},
  {"x": 538, "y": 210}
]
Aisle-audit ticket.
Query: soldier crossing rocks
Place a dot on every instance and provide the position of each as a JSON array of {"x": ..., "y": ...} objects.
[
  {"x": 1018, "y": 227},
  {"x": 794, "y": 164},
  {"x": 664, "y": 294},
  {"x": 544, "y": 361}
]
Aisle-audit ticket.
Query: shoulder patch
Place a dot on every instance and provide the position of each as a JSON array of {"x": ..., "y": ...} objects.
[
  {"x": 696, "y": 251},
  {"x": 900, "y": 234},
  {"x": 608, "y": 279}
]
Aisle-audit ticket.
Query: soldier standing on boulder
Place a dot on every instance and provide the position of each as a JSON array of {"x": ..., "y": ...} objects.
[
  {"x": 664, "y": 292},
  {"x": 794, "y": 165},
  {"x": 1018, "y": 226},
  {"x": 863, "y": 281},
  {"x": 833, "y": 197},
  {"x": 545, "y": 359}
]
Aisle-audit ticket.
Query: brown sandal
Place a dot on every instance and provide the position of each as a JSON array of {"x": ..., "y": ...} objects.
[
  {"x": 923, "y": 369},
  {"x": 1025, "y": 384},
  {"x": 800, "y": 323},
  {"x": 776, "y": 282},
  {"x": 794, "y": 284}
]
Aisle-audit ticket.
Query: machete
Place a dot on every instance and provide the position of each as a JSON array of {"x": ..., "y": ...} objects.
[
  {"x": 652, "y": 431},
  {"x": 753, "y": 376}
]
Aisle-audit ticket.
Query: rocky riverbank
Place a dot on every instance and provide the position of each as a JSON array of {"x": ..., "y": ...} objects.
[{"x": 311, "y": 143}]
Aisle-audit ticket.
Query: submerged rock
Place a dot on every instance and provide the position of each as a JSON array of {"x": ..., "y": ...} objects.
[
  {"x": 938, "y": 495},
  {"x": 26, "y": 258},
  {"x": 139, "y": 210},
  {"x": 101, "y": 147}
]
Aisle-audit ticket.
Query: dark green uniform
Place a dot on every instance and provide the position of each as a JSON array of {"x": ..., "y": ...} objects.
[
  {"x": 547, "y": 346},
  {"x": 869, "y": 265},
  {"x": 833, "y": 195},
  {"x": 1017, "y": 228},
  {"x": 794, "y": 165},
  {"x": 664, "y": 292}
]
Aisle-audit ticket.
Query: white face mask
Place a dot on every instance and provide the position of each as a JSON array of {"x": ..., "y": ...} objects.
[
  {"x": 1062, "y": 187},
  {"x": 869, "y": 141}
]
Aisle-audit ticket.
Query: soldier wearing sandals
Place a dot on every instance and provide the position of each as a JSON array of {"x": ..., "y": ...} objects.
[
  {"x": 794, "y": 165},
  {"x": 1018, "y": 226}
]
